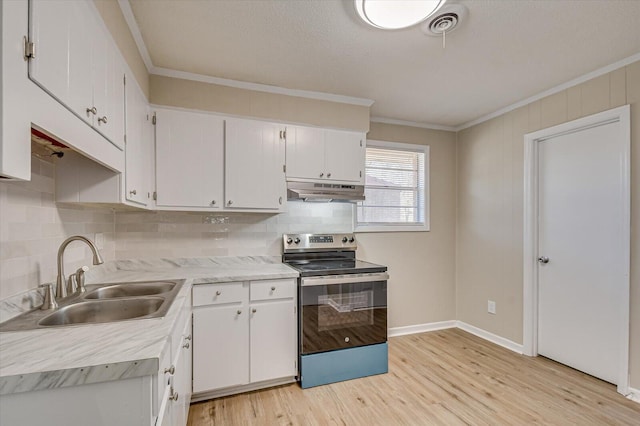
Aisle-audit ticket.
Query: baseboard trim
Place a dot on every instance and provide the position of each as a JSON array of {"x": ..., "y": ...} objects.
[
  {"x": 420, "y": 328},
  {"x": 634, "y": 394},
  {"x": 493, "y": 338}
]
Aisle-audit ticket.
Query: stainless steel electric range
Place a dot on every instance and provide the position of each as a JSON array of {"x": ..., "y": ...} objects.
[{"x": 342, "y": 309}]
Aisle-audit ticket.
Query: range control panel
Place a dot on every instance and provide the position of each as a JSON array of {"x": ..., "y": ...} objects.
[{"x": 311, "y": 242}]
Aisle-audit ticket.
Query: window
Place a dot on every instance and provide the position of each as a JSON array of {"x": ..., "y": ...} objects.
[{"x": 396, "y": 188}]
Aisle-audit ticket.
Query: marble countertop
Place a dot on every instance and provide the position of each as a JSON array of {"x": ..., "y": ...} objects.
[{"x": 74, "y": 355}]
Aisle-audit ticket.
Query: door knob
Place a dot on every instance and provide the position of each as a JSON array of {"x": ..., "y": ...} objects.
[{"x": 543, "y": 259}]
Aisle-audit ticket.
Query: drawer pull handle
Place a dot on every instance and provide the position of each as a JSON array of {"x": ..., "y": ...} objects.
[
  {"x": 273, "y": 288},
  {"x": 218, "y": 293},
  {"x": 254, "y": 310},
  {"x": 239, "y": 312},
  {"x": 93, "y": 111},
  {"x": 186, "y": 345},
  {"x": 171, "y": 370}
]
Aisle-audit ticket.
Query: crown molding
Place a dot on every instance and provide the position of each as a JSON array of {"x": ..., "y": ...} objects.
[
  {"x": 385, "y": 120},
  {"x": 125, "y": 7},
  {"x": 593, "y": 74},
  {"x": 166, "y": 72}
]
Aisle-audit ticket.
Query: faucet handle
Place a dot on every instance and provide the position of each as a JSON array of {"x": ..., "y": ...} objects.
[
  {"x": 80, "y": 279},
  {"x": 49, "y": 297},
  {"x": 72, "y": 284}
]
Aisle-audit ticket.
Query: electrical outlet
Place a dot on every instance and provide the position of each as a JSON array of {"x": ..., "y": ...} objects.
[{"x": 491, "y": 307}]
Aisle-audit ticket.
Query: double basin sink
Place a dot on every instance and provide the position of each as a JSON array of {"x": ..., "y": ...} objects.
[{"x": 102, "y": 303}]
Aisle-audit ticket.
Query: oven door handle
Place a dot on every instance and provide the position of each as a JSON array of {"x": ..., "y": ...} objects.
[{"x": 344, "y": 279}]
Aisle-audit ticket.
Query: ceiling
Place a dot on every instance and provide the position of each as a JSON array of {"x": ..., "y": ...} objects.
[{"x": 503, "y": 52}]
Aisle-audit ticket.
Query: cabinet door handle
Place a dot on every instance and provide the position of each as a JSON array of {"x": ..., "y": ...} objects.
[
  {"x": 187, "y": 337},
  {"x": 239, "y": 312},
  {"x": 93, "y": 111},
  {"x": 273, "y": 288},
  {"x": 213, "y": 203},
  {"x": 321, "y": 174},
  {"x": 133, "y": 192},
  {"x": 254, "y": 310},
  {"x": 280, "y": 200},
  {"x": 171, "y": 370},
  {"x": 186, "y": 345},
  {"x": 229, "y": 202},
  {"x": 328, "y": 175},
  {"x": 174, "y": 395},
  {"x": 218, "y": 293},
  {"x": 103, "y": 119}
]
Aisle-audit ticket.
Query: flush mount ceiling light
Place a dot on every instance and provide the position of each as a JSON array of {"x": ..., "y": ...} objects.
[{"x": 396, "y": 14}]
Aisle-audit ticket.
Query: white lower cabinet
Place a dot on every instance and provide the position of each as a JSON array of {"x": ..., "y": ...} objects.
[
  {"x": 174, "y": 381},
  {"x": 244, "y": 336}
]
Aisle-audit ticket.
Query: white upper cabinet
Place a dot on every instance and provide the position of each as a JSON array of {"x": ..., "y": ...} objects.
[
  {"x": 139, "y": 147},
  {"x": 254, "y": 165},
  {"x": 78, "y": 64},
  {"x": 189, "y": 160},
  {"x": 323, "y": 154}
]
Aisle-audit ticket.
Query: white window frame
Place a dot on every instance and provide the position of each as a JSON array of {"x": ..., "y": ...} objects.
[{"x": 426, "y": 207}]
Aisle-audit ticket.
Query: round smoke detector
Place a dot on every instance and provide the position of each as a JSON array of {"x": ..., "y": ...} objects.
[{"x": 444, "y": 20}]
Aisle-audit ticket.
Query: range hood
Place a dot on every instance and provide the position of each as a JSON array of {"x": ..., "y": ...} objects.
[{"x": 324, "y": 192}]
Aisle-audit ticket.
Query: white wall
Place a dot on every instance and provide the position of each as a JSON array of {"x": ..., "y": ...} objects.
[{"x": 490, "y": 200}]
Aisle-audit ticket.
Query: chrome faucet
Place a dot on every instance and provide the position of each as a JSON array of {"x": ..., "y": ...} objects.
[{"x": 61, "y": 290}]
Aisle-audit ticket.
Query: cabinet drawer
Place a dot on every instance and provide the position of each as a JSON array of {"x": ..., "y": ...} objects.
[
  {"x": 216, "y": 294},
  {"x": 273, "y": 289}
]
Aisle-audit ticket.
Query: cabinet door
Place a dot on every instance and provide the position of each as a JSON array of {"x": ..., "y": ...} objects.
[
  {"x": 189, "y": 159},
  {"x": 62, "y": 65},
  {"x": 182, "y": 378},
  {"x": 137, "y": 147},
  {"x": 305, "y": 152},
  {"x": 273, "y": 340},
  {"x": 345, "y": 155},
  {"x": 113, "y": 118},
  {"x": 254, "y": 168},
  {"x": 220, "y": 347}
]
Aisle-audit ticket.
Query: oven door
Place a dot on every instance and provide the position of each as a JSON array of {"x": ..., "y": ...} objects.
[{"x": 342, "y": 311}]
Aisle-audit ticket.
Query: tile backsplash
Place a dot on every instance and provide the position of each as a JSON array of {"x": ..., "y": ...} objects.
[
  {"x": 32, "y": 226},
  {"x": 180, "y": 234}
]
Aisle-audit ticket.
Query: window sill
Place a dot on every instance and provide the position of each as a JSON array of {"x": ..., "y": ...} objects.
[{"x": 392, "y": 228}]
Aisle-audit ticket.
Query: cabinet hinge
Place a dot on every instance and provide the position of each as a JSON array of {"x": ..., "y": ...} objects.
[
  {"x": 154, "y": 119},
  {"x": 155, "y": 196},
  {"x": 29, "y": 49}
]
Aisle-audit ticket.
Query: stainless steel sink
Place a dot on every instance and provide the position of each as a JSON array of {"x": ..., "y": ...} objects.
[
  {"x": 103, "y": 311},
  {"x": 102, "y": 303},
  {"x": 130, "y": 290}
]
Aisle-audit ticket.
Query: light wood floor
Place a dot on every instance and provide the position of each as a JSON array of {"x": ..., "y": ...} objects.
[{"x": 447, "y": 377}]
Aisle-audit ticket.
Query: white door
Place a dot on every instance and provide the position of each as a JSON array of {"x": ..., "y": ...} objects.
[
  {"x": 344, "y": 155},
  {"x": 305, "y": 152},
  {"x": 220, "y": 347},
  {"x": 273, "y": 340},
  {"x": 581, "y": 215},
  {"x": 189, "y": 153},
  {"x": 254, "y": 165}
]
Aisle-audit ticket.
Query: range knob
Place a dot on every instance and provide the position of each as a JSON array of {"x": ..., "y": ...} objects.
[
  {"x": 344, "y": 240},
  {"x": 352, "y": 239},
  {"x": 297, "y": 240},
  {"x": 289, "y": 240}
]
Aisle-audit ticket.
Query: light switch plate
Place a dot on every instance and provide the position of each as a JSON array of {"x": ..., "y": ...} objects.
[{"x": 491, "y": 307}]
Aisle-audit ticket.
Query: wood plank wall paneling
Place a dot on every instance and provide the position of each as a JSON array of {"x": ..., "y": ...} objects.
[
  {"x": 446, "y": 377},
  {"x": 489, "y": 241}
]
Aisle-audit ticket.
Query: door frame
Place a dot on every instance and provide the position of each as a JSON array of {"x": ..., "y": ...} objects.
[{"x": 530, "y": 250}]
